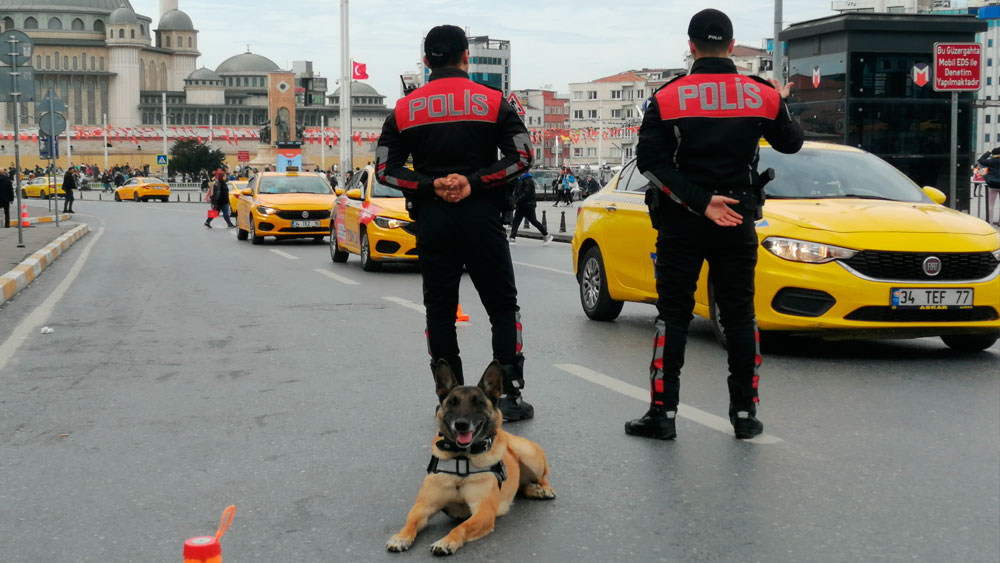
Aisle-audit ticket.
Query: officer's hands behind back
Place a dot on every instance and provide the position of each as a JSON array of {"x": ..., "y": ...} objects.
[
  {"x": 722, "y": 214},
  {"x": 453, "y": 188}
]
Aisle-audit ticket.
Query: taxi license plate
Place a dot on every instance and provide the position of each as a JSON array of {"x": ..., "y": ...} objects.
[
  {"x": 939, "y": 298},
  {"x": 303, "y": 224}
]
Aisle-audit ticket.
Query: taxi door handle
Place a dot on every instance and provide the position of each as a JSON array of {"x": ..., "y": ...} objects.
[{"x": 611, "y": 208}]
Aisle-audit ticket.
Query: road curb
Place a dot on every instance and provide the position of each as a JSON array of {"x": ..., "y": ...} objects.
[
  {"x": 24, "y": 273},
  {"x": 43, "y": 219}
]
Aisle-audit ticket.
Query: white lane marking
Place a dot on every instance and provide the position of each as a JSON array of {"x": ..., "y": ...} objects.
[
  {"x": 284, "y": 254},
  {"x": 546, "y": 268},
  {"x": 684, "y": 411},
  {"x": 336, "y": 277},
  {"x": 43, "y": 311},
  {"x": 407, "y": 303}
]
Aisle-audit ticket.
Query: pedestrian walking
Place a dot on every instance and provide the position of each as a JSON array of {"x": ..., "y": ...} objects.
[
  {"x": 696, "y": 152},
  {"x": 220, "y": 200},
  {"x": 6, "y": 196},
  {"x": 991, "y": 160},
  {"x": 457, "y": 202},
  {"x": 525, "y": 204},
  {"x": 68, "y": 185}
]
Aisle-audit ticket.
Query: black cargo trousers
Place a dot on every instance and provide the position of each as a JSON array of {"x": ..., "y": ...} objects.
[
  {"x": 684, "y": 242},
  {"x": 469, "y": 236}
]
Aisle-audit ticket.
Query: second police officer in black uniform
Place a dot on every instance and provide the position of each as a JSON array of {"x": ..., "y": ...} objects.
[
  {"x": 455, "y": 192},
  {"x": 699, "y": 146}
]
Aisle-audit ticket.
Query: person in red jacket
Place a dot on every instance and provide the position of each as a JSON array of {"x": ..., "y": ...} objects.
[
  {"x": 452, "y": 127},
  {"x": 698, "y": 146}
]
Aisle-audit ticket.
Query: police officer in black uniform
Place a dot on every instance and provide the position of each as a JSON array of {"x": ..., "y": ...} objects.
[
  {"x": 455, "y": 192},
  {"x": 698, "y": 146}
]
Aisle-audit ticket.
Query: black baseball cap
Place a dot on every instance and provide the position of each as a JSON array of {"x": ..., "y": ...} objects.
[
  {"x": 445, "y": 40},
  {"x": 710, "y": 25}
]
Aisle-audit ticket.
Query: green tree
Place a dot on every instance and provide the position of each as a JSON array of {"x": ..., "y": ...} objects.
[{"x": 190, "y": 157}]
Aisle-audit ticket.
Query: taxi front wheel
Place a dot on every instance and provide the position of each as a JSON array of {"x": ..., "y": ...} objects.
[
  {"x": 597, "y": 302},
  {"x": 969, "y": 343},
  {"x": 254, "y": 237},
  {"x": 367, "y": 264},
  {"x": 336, "y": 254}
]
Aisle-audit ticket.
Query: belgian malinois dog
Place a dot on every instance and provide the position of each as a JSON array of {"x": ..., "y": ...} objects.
[{"x": 476, "y": 468}]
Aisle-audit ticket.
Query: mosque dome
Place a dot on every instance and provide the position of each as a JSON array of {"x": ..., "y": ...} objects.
[
  {"x": 124, "y": 16},
  {"x": 175, "y": 20},
  {"x": 246, "y": 63}
]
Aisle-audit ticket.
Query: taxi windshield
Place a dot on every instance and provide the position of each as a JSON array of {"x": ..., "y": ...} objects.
[
  {"x": 293, "y": 185},
  {"x": 824, "y": 174},
  {"x": 380, "y": 190}
]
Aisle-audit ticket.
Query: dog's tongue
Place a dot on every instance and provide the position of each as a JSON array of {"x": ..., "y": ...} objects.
[{"x": 463, "y": 438}]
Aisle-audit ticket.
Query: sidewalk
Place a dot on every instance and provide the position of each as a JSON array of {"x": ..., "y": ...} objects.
[
  {"x": 43, "y": 243},
  {"x": 553, "y": 219},
  {"x": 36, "y": 214}
]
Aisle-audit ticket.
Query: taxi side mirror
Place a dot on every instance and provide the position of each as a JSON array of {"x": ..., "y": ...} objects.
[
  {"x": 354, "y": 194},
  {"x": 936, "y": 195},
  {"x": 338, "y": 191},
  {"x": 246, "y": 191}
]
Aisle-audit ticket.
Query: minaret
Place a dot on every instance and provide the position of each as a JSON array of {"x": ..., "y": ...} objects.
[
  {"x": 167, "y": 5},
  {"x": 125, "y": 43}
]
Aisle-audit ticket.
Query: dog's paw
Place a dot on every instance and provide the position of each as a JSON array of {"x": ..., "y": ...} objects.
[
  {"x": 536, "y": 491},
  {"x": 444, "y": 547},
  {"x": 398, "y": 544}
]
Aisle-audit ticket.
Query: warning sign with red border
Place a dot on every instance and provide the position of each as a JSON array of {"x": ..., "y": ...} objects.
[
  {"x": 958, "y": 67},
  {"x": 515, "y": 103}
]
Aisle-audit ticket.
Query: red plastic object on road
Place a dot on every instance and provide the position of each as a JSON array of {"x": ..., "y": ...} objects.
[
  {"x": 206, "y": 549},
  {"x": 24, "y": 215}
]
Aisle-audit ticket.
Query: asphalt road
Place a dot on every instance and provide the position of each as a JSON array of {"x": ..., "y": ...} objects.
[{"x": 188, "y": 371}]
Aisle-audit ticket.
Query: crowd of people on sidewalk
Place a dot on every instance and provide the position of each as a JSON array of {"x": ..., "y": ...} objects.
[{"x": 569, "y": 188}]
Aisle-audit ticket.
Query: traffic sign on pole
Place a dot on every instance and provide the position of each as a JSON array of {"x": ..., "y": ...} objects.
[
  {"x": 515, "y": 103},
  {"x": 48, "y": 148},
  {"x": 51, "y": 125},
  {"x": 51, "y": 102},
  {"x": 162, "y": 160},
  {"x": 958, "y": 67},
  {"x": 22, "y": 52}
]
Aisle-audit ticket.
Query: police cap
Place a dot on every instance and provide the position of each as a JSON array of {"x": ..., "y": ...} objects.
[
  {"x": 710, "y": 25},
  {"x": 444, "y": 41}
]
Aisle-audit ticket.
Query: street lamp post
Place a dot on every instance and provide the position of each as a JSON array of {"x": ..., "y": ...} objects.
[{"x": 346, "y": 156}]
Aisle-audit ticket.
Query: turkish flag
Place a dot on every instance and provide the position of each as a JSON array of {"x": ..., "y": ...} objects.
[{"x": 359, "y": 71}]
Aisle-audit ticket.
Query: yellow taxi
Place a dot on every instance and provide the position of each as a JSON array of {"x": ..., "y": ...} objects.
[
  {"x": 849, "y": 248},
  {"x": 42, "y": 187},
  {"x": 370, "y": 220},
  {"x": 143, "y": 189},
  {"x": 284, "y": 205},
  {"x": 235, "y": 187}
]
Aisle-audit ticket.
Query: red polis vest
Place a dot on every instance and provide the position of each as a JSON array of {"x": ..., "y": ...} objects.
[
  {"x": 448, "y": 100},
  {"x": 717, "y": 96}
]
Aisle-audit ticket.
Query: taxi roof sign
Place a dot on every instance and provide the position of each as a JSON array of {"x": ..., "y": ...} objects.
[{"x": 515, "y": 103}]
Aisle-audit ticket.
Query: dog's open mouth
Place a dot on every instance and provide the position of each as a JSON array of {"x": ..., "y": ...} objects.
[{"x": 464, "y": 438}]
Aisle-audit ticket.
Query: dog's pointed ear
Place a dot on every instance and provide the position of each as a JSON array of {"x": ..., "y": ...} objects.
[
  {"x": 444, "y": 379},
  {"x": 492, "y": 381}
]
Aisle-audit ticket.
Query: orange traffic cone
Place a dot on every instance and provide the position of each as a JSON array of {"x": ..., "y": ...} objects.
[
  {"x": 206, "y": 549},
  {"x": 24, "y": 215},
  {"x": 460, "y": 317}
]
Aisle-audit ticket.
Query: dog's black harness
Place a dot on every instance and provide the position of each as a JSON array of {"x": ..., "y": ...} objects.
[{"x": 461, "y": 466}]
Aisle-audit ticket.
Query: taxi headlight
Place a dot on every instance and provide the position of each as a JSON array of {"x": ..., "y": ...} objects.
[
  {"x": 996, "y": 255},
  {"x": 805, "y": 251},
  {"x": 264, "y": 210},
  {"x": 389, "y": 223}
]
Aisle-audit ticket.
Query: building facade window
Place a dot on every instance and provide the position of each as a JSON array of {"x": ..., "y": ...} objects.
[
  {"x": 616, "y": 94},
  {"x": 121, "y": 33},
  {"x": 190, "y": 43},
  {"x": 577, "y": 95},
  {"x": 92, "y": 66},
  {"x": 592, "y": 94},
  {"x": 99, "y": 26},
  {"x": 8, "y": 23},
  {"x": 592, "y": 114},
  {"x": 167, "y": 39},
  {"x": 102, "y": 63},
  {"x": 75, "y": 63},
  {"x": 578, "y": 114},
  {"x": 132, "y": 33},
  {"x": 55, "y": 23},
  {"x": 30, "y": 23},
  {"x": 48, "y": 61}
]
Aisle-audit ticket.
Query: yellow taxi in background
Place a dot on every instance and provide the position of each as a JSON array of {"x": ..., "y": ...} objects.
[
  {"x": 370, "y": 220},
  {"x": 849, "y": 248},
  {"x": 42, "y": 187},
  {"x": 235, "y": 187},
  {"x": 143, "y": 189},
  {"x": 284, "y": 205}
]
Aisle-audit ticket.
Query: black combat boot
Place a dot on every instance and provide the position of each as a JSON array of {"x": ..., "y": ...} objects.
[
  {"x": 511, "y": 404},
  {"x": 745, "y": 423},
  {"x": 657, "y": 423}
]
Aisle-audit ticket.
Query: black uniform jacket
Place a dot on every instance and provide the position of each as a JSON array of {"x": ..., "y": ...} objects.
[
  {"x": 452, "y": 125},
  {"x": 701, "y": 132}
]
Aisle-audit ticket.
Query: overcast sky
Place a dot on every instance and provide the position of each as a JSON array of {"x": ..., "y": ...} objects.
[{"x": 553, "y": 42}]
